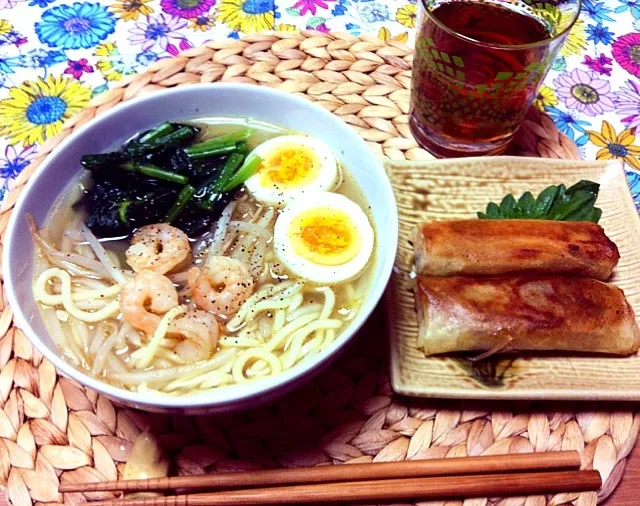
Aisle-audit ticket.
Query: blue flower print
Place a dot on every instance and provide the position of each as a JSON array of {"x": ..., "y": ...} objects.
[
  {"x": 146, "y": 58},
  {"x": 599, "y": 34},
  {"x": 81, "y": 25},
  {"x": 13, "y": 162},
  {"x": 12, "y": 38},
  {"x": 559, "y": 64},
  {"x": 54, "y": 57},
  {"x": 569, "y": 125},
  {"x": 340, "y": 8},
  {"x": 41, "y": 58},
  {"x": 633, "y": 178},
  {"x": 353, "y": 29},
  {"x": 40, "y": 3},
  {"x": 629, "y": 5},
  {"x": 375, "y": 12},
  {"x": 8, "y": 63},
  {"x": 596, "y": 10}
]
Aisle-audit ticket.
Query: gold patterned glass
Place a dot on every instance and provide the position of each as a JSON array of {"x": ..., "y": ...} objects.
[{"x": 477, "y": 68}]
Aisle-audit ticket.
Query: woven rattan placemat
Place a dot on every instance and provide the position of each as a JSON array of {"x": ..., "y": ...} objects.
[{"x": 52, "y": 430}]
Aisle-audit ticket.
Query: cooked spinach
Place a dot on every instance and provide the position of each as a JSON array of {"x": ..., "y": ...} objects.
[
  {"x": 559, "y": 203},
  {"x": 163, "y": 175}
]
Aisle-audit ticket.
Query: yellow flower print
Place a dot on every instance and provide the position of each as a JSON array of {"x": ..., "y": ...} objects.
[
  {"x": 5, "y": 27},
  {"x": 385, "y": 34},
  {"x": 201, "y": 23},
  {"x": 109, "y": 70},
  {"x": 106, "y": 66},
  {"x": 546, "y": 97},
  {"x": 287, "y": 28},
  {"x": 576, "y": 42},
  {"x": 406, "y": 15},
  {"x": 248, "y": 16},
  {"x": 129, "y": 10},
  {"x": 111, "y": 64},
  {"x": 616, "y": 146},
  {"x": 106, "y": 49},
  {"x": 36, "y": 110}
]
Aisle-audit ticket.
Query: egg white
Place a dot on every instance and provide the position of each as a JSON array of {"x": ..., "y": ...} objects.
[
  {"x": 305, "y": 268},
  {"x": 280, "y": 196}
]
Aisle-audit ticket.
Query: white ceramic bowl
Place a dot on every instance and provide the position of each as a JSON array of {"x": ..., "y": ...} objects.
[{"x": 190, "y": 102}]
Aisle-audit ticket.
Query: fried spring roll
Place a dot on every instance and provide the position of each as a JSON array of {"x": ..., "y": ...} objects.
[
  {"x": 463, "y": 314},
  {"x": 495, "y": 247}
]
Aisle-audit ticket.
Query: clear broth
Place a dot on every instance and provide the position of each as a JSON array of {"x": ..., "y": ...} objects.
[{"x": 63, "y": 213}]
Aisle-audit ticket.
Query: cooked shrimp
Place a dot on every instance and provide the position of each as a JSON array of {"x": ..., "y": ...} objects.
[
  {"x": 159, "y": 248},
  {"x": 222, "y": 286},
  {"x": 200, "y": 330},
  {"x": 144, "y": 298}
]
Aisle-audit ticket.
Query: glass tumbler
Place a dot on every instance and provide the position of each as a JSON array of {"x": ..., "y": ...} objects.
[{"x": 477, "y": 67}]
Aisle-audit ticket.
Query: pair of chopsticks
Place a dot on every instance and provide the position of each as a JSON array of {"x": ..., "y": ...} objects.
[{"x": 496, "y": 475}]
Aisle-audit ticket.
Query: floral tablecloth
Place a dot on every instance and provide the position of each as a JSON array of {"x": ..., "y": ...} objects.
[{"x": 56, "y": 54}]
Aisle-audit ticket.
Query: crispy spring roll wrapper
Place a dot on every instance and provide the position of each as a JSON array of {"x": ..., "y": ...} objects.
[
  {"x": 464, "y": 314},
  {"x": 495, "y": 247}
]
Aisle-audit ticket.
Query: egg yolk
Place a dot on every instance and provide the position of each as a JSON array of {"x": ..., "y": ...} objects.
[
  {"x": 289, "y": 166},
  {"x": 324, "y": 236}
]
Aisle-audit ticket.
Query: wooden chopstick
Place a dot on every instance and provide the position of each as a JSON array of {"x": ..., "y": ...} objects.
[
  {"x": 351, "y": 472},
  {"x": 411, "y": 488}
]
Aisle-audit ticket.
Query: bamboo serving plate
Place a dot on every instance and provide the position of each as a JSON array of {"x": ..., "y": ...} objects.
[{"x": 457, "y": 189}]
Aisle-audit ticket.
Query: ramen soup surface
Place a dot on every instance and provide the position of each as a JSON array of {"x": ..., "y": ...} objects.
[{"x": 277, "y": 274}]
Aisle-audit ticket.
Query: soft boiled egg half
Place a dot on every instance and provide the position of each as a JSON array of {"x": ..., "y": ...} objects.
[
  {"x": 324, "y": 238},
  {"x": 292, "y": 166}
]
